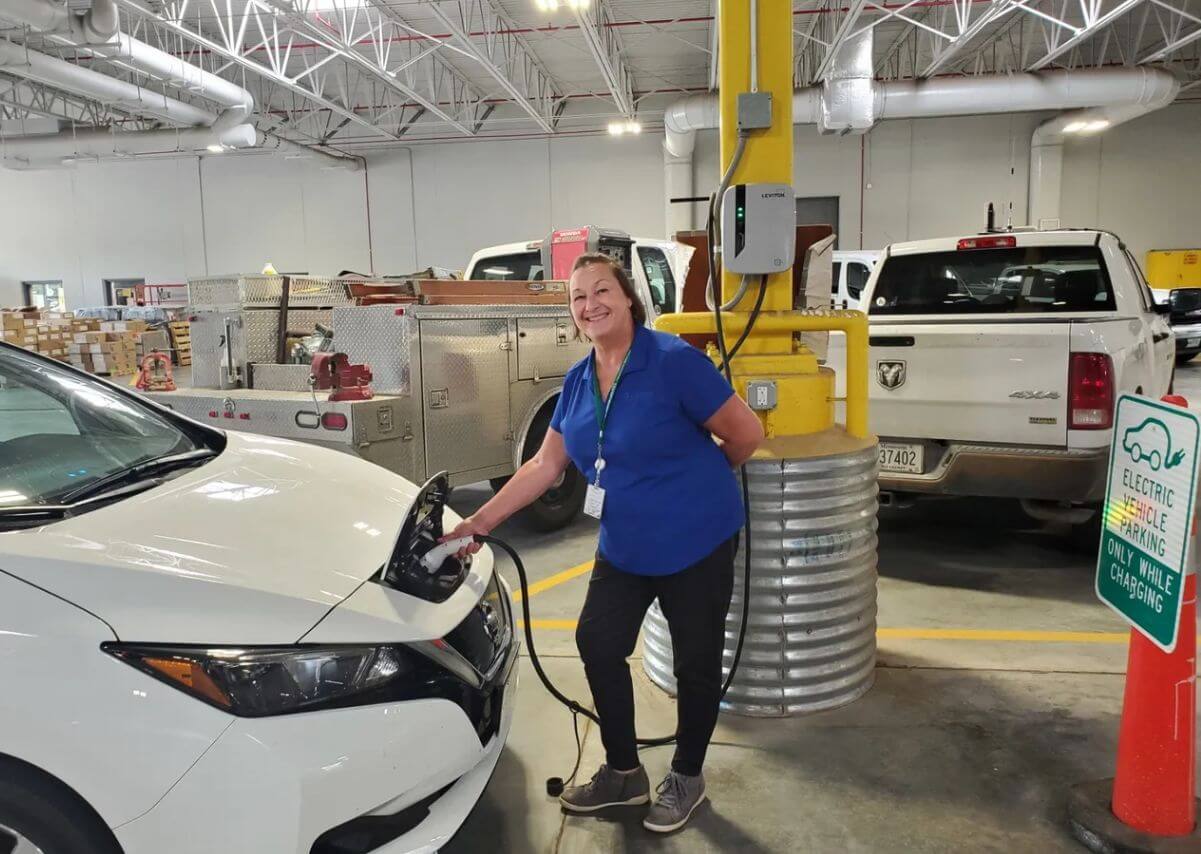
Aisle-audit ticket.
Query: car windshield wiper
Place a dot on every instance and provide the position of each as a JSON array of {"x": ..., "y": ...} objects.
[
  {"x": 31, "y": 515},
  {"x": 139, "y": 472}
]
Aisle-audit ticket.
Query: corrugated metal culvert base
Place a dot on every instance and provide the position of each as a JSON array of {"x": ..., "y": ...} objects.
[{"x": 811, "y": 636}]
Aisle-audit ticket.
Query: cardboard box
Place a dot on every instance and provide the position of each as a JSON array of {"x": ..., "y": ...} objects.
[{"x": 124, "y": 326}]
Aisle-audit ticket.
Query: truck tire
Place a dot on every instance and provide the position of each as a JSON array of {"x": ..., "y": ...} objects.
[
  {"x": 39, "y": 813},
  {"x": 1085, "y": 537},
  {"x": 560, "y": 504},
  {"x": 1186, "y": 357}
]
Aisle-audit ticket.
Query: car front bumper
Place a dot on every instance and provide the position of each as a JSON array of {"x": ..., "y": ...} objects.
[
  {"x": 1188, "y": 339},
  {"x": 997, "y": 471},
  {"x": 280, "y": 784},
  {"x": 402, "y": 775}
]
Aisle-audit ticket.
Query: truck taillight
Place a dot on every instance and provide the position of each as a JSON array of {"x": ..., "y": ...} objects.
[
  {"x": 1007, "y": 242},
  {"x": 334, "y": 421},
  {"x": 1090, "y": 392}
]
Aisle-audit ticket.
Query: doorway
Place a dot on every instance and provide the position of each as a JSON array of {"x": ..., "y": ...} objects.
[
  {"x": 818, "y": 210},
  {"x": 45, "y": 294},
  {"x": 120, "y": 291}
]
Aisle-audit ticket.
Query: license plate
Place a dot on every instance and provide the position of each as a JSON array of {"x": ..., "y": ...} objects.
[
  {"x": 1192, "y": 342},
  {"x": 901, "y": 458}
]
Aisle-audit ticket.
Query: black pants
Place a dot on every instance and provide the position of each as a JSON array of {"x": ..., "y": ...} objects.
[{"x": 695, "y": 602}]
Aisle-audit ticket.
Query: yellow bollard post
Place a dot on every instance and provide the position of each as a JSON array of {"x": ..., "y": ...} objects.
[{"x": 812, "y": 485}]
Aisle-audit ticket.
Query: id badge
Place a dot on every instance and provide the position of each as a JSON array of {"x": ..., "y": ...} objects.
[{"x": 594, "y": 501}]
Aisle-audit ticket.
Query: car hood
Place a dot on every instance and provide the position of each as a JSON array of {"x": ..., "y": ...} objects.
[{"x": 254, "y": 547}]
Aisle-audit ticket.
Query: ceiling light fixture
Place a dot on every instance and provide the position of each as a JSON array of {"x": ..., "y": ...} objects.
[
  {"x": 216, "y": 148},
  {"x": 622, "y": 128},
  {"x": 1075, "y": 127},
  {"x": 1097, "y": 126},
  {"x": 617, "y": 128},
  {"x": 547, "y": 5}
]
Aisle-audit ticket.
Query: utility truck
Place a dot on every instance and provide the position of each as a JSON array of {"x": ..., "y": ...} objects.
[{"x": 454, "y": 376}]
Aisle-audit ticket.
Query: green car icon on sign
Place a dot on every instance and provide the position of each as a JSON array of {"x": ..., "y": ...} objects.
[{"x": 1151, "y": 441}]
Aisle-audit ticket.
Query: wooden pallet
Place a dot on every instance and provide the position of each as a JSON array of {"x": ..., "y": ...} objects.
[{"x": 181, "y": 342}]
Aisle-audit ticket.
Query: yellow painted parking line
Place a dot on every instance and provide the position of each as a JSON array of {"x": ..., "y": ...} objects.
[
  {"x": 1003, "y": 635},
  {"x": 556, "y": 625},
  {"x": 554, "y": 581}
]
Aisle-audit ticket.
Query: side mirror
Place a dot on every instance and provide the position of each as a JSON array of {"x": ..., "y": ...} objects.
[{"x": 1162, "y": 308}]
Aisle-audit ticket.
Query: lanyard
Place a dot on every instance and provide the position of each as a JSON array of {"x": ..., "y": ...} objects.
[{"x": 602, "y": 408}]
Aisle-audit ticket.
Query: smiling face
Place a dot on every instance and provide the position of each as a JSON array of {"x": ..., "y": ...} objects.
[{"x": 599, "y": 306}]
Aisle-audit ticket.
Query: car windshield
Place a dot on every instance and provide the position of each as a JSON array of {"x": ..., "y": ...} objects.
[
  {"x": 61, "y": 431},
  {"x": 1032, "y": 279},
  {"x": 518, "y": 267}
]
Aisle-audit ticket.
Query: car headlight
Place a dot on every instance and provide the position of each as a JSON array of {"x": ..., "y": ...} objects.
[{"x": 281, "y": 680}]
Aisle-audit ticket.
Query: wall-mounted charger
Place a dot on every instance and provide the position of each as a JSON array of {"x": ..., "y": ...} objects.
[{"x": 758, "y": 228}]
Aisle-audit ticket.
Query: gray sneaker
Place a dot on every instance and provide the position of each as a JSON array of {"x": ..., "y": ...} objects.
[
  {"x": 678, "y": 797},
  {"x": 608, "y": 788}
]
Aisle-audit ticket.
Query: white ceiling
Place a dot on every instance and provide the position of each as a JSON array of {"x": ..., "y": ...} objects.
[{"x": 359, "y": 73}]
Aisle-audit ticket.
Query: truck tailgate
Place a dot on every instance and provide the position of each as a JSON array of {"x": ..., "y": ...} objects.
[{"x": 968, "y": 381}]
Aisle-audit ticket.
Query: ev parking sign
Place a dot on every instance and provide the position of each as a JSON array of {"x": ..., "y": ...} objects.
[{"x": 1148, "y": 516}]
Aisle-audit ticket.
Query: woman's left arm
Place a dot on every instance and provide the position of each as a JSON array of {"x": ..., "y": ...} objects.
[{"x": 737, "y": 428}]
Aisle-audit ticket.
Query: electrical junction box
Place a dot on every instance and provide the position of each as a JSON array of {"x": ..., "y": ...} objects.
[{"x": 758, "y": 228}]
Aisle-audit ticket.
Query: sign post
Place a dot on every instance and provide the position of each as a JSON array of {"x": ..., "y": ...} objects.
[
  {"x": 1148, "y": 515},
  {"x": 1146, "y": 572}
]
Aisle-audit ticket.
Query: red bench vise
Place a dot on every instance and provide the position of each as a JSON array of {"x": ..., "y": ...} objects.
[{"x": 349, "y": 382}]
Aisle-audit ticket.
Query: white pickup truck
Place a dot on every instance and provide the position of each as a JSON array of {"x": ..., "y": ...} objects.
[
  {"x": 657, "y": 266},
  {"x": 996, "y": 359}
]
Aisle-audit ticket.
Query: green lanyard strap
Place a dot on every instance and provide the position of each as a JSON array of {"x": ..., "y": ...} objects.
[{"x": 602, "y": 407}]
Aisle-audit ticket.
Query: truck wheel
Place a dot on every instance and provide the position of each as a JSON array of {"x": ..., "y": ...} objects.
[
  {"x": 498, "y": 483},
  {"x": 1185, "y": 357},
  {"x": 560, "y": 504},
  {"x": 1085, "y": 537}
]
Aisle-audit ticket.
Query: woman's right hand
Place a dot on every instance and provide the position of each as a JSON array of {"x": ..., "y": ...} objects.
[{"x": 469, "y": 527}]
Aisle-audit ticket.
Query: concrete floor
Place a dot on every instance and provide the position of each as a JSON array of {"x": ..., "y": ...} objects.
[{"x": 965, "y": 741}]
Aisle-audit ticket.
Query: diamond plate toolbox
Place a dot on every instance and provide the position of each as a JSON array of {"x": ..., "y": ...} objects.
[{"x": 380, "y": 336}]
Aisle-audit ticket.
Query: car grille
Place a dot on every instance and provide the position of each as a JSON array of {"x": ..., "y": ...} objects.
[
  {"x": 485, "y": 639},
  {"x": 484, "y": 635}
]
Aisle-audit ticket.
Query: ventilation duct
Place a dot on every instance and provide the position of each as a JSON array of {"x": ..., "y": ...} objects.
[
  {"x": 96, "y": 33},
  {"x": 1112, "y": 95}
]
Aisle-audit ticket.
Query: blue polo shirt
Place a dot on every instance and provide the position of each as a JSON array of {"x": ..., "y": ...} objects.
[{"x": 671, "y": 497}]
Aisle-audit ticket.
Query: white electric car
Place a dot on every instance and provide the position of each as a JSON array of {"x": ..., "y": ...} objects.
[{"x": 217, "y": 641}]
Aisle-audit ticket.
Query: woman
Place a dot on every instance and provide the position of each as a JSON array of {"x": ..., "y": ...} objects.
[{"x": 638, "y": 418}]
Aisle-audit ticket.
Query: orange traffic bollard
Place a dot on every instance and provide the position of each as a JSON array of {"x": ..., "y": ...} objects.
[{"x": 1151, "y": 804}]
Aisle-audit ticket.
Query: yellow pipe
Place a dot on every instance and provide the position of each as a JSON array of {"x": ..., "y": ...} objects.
[
  {"x": 853, "y": 324},
  {"x": 769, "y": 152}
]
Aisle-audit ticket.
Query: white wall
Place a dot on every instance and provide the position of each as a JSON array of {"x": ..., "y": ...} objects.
[
  {"x": 927, "y": 177},
  {"x": 165, "y": 220},
  {"x": 1141, "y": 181}
]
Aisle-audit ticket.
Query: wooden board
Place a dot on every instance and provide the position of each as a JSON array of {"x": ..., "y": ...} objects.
[
  {"x": 449, "y": 287},
  {"x": 480, "y": 299}
]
